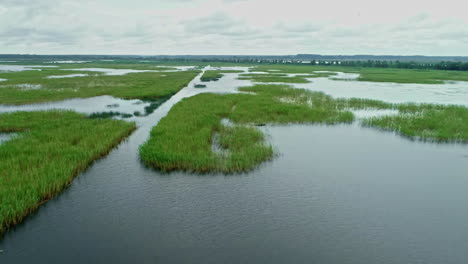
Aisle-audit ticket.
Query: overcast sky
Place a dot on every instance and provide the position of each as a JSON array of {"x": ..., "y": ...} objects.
[{"x": 151, "y": 27}]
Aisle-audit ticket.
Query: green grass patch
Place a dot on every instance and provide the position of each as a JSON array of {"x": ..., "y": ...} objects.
[
  {"x": 426, "y": 122},
  {"x": 183, "y": 139},
  {"x": 145, "y": 85},
  {"x": 209, "y": 76},
  {"x": 51, "y": 149},
  {"x": 215, "y": 75}
]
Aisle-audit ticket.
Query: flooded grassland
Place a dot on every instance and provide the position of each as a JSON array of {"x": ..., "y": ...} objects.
[{"x": 337, "y": 190}]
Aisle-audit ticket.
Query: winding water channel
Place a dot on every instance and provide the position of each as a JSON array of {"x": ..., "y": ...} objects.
[{"x": 335, "y": 194}]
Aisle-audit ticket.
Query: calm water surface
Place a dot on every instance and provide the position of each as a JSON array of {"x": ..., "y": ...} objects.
[
  {"x": 5, "y": 137},
  {"x": 335, "y": 194}
]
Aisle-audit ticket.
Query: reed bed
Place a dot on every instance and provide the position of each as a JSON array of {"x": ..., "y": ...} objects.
[
  {"x": 426, "y": 122},
  {"x": 143, "y": 85},
  {"x": 52, "y": 147},
  {"x": 183, "y": 139}
]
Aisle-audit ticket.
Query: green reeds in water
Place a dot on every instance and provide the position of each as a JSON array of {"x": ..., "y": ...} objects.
[
  {"x": 183, "y": 139},
  {"x": 52, "y": 148},
  {"x": 426, "y": 122}
]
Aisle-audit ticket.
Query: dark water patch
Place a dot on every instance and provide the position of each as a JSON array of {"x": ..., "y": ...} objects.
[
  {"x": 154, "y": 103},
  {"x": 109, "y": 114}
]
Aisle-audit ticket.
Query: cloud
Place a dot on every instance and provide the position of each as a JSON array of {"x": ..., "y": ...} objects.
[{"x": 233, "y": 27}]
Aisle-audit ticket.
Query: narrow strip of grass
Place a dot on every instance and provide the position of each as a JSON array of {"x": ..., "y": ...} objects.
[
  {"x": 183, "y": 139},
  {"x": 51, "y": 149}
]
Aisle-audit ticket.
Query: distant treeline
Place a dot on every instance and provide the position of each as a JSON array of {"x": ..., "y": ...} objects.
[
  {"x": 402, "y": 62},
  {"x": 443, "y": 65}
]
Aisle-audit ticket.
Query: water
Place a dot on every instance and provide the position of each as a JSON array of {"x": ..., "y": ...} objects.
[
  {"x": 18, "y": 68},
  {"x": 67, "y": 76},
  {"x": 5, "y": 137},
  {"x": 67, "y": 61},
  {"x": 345, "y": 85},
  {"x": 455, "y": 93},
  {"x": 2, "y": 80},
  {"x": 90, "y": 105},
  {"x": 327, "y": 199},
  {"x": 109, "y": 71},
  {"x": 227, "y": 84},
  {"x": 335, "y": 194},
  {"x": 127, "y": 71},
  {"x": 179, "y": 68}
]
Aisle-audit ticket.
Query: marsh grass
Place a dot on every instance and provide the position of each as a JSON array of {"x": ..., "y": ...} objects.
[
  {"x": 183, "y": 139},
  {"x": 144, "y": 85},
  {"x": 215, "y": 75},
  {"x": 51, "y": 149},
  {"x": 426, "y": 122}
]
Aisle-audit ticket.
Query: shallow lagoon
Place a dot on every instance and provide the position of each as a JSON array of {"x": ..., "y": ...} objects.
[
  {"x": 448, "y": 93},
  {"x": 335, "y": 194}
]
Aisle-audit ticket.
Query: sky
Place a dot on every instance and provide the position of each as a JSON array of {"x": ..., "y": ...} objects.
[{"x": 234, "y": 27}]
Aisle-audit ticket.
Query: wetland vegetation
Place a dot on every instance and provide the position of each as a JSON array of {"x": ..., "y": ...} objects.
[
  {"x": 142, "y": 85},
  {"x": 194, "y": 136},
  {"x": 214, "y": 75},
  {"x": 184, "y": 139},
  {"x": 426, "y": 122},
  {"x": 275, "y": 77},
  {"x": 422, "y": 76},
  {"x": 51, "y": 148}
]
